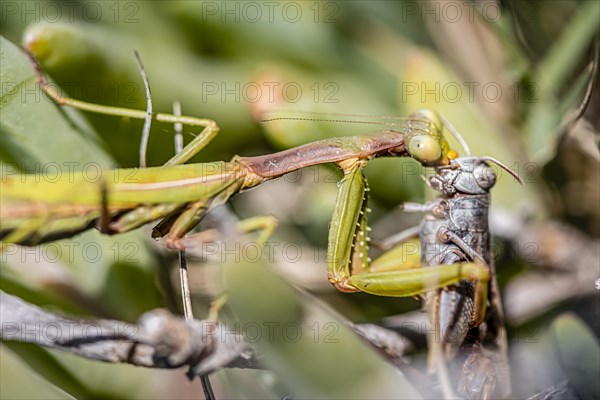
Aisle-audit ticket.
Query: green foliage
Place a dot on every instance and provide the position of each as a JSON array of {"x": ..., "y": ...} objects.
[
  {"x": 85, "y": 275},
  {"x": 365, "y": 57},
  {"x": 578, "y": 351}
]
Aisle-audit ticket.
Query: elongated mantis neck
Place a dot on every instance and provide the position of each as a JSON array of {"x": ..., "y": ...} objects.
[{"x": 334, "y": 150}]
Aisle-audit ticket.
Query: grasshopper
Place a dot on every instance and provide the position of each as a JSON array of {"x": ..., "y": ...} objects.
[{"x": 467, "y": 316}]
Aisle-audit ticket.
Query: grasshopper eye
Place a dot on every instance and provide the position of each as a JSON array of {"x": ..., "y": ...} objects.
[
  {"x": 484, "y": 176},
  {"x": 425, "y": 149}
]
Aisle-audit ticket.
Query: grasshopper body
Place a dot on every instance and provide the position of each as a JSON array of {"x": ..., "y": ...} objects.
[{"x": 454, "y": 231}]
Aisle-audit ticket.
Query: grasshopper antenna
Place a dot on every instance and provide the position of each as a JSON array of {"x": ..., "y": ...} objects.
[
  {"x": 148, "y": 119},
  {"x": 456, "y": 135},
  {"x": 504, "y": 167}
]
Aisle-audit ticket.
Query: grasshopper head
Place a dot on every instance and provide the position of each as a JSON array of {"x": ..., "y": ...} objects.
[{"x": 468, "y": 175}]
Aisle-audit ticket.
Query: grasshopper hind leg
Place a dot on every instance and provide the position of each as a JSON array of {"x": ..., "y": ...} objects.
[{"x": 454, "y": 309}]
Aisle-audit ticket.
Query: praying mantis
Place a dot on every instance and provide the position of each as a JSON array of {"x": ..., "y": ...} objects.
[{"x": 35, "y": 210}]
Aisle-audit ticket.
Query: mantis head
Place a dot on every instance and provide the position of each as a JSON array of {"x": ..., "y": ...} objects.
[{"x": 425, "y": 139}]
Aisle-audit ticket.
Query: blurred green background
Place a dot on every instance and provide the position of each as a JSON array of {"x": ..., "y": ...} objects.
[{"x": 513, "y": 77}]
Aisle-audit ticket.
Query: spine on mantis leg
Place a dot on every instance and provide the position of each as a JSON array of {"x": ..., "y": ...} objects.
[{"x": 347, "y": 253}]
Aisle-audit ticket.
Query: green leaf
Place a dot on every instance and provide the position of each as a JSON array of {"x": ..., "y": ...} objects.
[
  {"x": 310, "y": 347},
  {"x": 105, "y": 72},
  {"x": 21, "y": 381},
  {"x": 34, "y": 132},
  {"x": 74, "y": 275},
  {"x": 543, "y": 121},
  {"x": 579, "y": 354},
  {"x": 44, "y": 363},
  {"x": 567, "y": 51}
]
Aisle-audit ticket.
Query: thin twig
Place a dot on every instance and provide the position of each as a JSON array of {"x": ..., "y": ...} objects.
[
  {"x": 185, "y": 287},
  {"x": 178, "y": 128},
  {"x": 148, "y": 119},
  {"x": 55, "y": 94},
  {"x": 183, "y": 271},
  {"x": 159, "y": 340}
]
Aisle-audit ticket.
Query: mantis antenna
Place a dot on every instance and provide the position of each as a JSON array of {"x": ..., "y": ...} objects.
[{"x": 456, "y": 135}]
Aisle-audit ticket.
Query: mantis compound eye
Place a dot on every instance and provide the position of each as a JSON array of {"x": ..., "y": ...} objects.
[
  {"x": 425, "y": 149},
  {"x": 484, "y": 176}
]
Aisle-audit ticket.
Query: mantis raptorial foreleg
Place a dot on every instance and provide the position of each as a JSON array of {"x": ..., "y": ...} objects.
[{"x": 348, "y": 265}]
